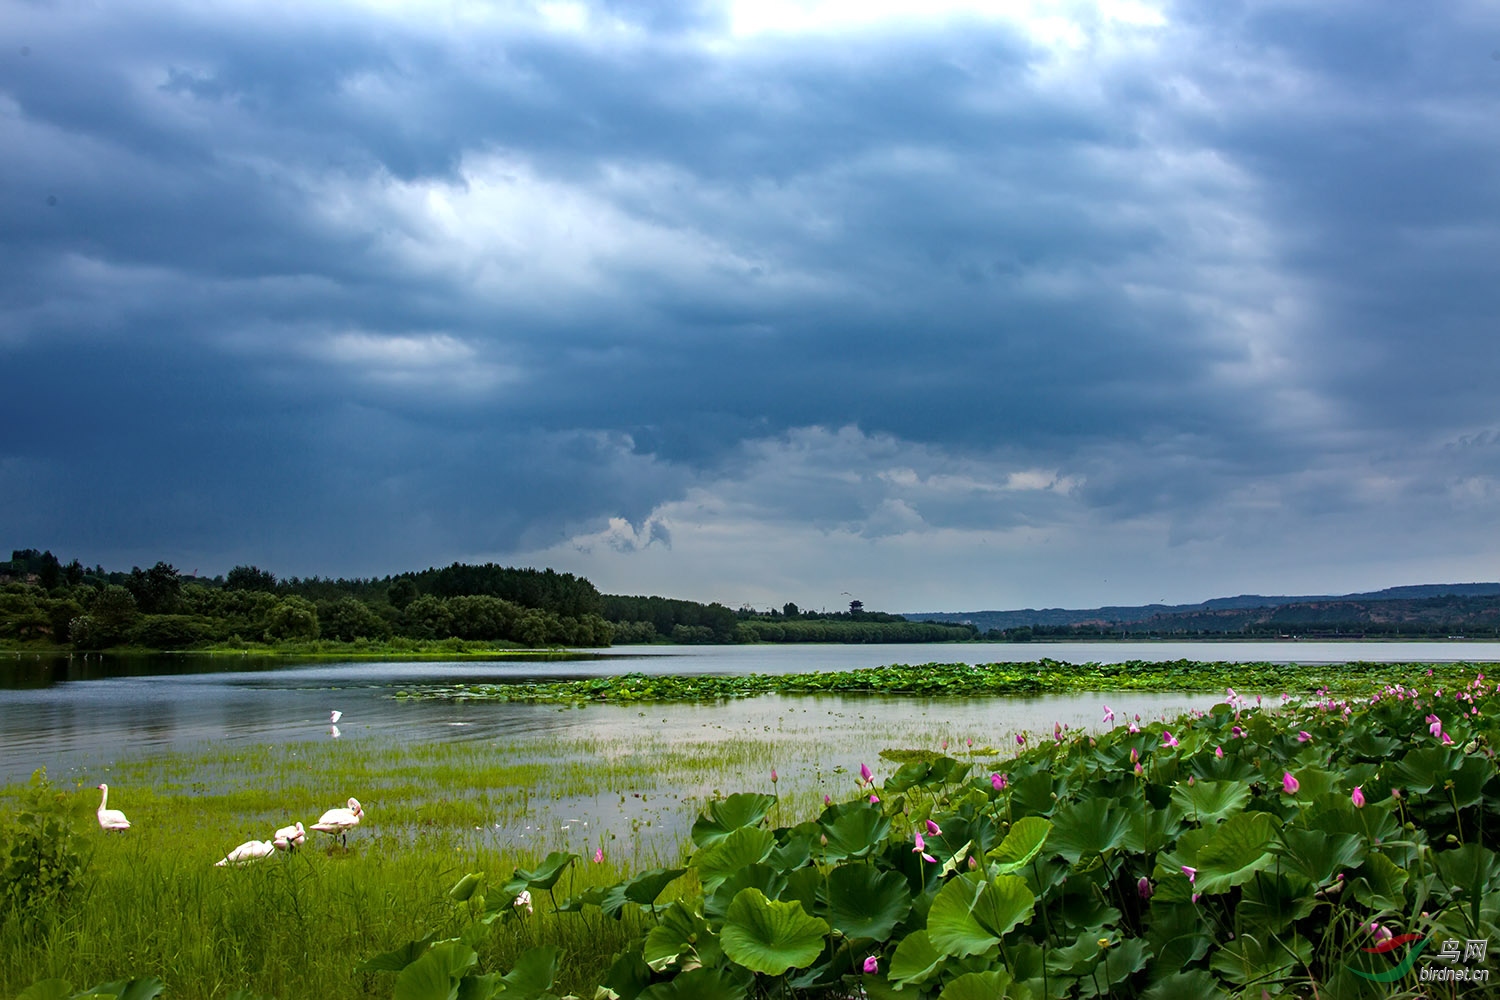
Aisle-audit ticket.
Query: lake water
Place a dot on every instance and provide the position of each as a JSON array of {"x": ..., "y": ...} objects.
[{"x": 76, "y": 716}]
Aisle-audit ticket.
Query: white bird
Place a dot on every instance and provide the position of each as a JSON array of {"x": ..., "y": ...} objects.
[
  {"x": 340, "y": 821},
  {"x": 289, "y": 838},
  {"x": 111, "y": 819},
  {"x": 334, "y": 716},
  {"x": 250, "y": 850}
]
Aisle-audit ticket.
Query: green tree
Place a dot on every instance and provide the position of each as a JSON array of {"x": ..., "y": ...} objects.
[
  {"x": 250, "y": 578},
  {"x": 401, "y": 593},
  {"x": 292, "y": 618},
  {"x": 349, "y": 619},
  {"x": 110, "y": 617},
  {"x": 158, "y": 590},
  {"x": 428, "y": 617}
]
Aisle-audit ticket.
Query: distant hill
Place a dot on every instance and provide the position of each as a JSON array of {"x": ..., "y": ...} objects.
[{"x": 1430, "y": 606}]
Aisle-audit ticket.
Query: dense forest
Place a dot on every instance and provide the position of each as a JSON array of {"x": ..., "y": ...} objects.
[{"x": 46, "y": 603}]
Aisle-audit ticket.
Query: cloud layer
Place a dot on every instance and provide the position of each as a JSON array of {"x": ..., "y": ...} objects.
[{"x": 1091, "y": 302}]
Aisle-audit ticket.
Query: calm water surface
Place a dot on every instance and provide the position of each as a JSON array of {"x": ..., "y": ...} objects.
[{"x": 75, "y": 717}]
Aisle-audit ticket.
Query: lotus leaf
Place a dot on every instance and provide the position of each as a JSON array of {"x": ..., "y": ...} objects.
[
  {"x": 436, "y": 975},
  {"x": 864, "y": 903},
  {"x": 1208, "y": 802},
  {"x": 771, "y": 937},
  {"x": 699, "y": 984},
  {"x": 1193, "y": 984},
  {"x": 723, "y": 816},
  {"x": 642, "y": 890},
  {"x": 915, "y": 960},
  {"x": 971, "y": 914},
  {"x": 682, "y": 939},
  {"x": 1022, "y": 844},
  {"x": 1379, "y": 884},
  {"x": 1239, "y": 848},
  {"x": 761, "y": 876},
  {"x": 1090, "y": 827},
  {"x": 1320, "y": 856},
  {"x": 854, "y": 832},
  {"x": 544, "y": 878},
  {"x": 746, "y": 846},
  {"x": 982, "y": 986}
]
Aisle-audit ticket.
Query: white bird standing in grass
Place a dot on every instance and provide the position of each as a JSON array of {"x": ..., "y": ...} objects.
[
  {"x": 250, "y": 850},
  {"x": 111, "y": 819},
  {"x": 289, "y": 838},
  {"x": 339, "y": 822}
]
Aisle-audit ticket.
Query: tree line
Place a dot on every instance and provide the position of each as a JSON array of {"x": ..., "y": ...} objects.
[{"x": 45, "y": 602}]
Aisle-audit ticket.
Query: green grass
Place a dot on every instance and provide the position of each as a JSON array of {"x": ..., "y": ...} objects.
[{"x": 152, "y": 902}]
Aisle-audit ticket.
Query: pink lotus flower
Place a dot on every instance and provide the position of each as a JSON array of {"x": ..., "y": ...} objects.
[
  {"x": 864, "y": 774},
  {"x": 1219, "y": 752},
  {"x": 1168, "y": 740},
  {"x": 874, "y": 798},
  {"x": 1133, "y": 728},
  {"x": 1236, "y": 732},
  {"x": 1357, "y": 797},
  {"x": 1191, "y": 873},
  {"x": 932, "y": 829},
  {"x": 598, "y": 855},
  {"x": 921, "y": 848},
  {"x": 872, "y": 965},
  {"x": 1143, "y": 887},
  {"x": 1289, "y": 784},
  {"x": 997, "y": 781},
  {"x": 1435, "y": 725},
  {"x": 1109, "y": 714},
  {"x": 1303, "y": 736},
  {"x": 970, "y": 741},
  {"x": 828, "y": 800},
  {"x": 1020, "y": 739}
]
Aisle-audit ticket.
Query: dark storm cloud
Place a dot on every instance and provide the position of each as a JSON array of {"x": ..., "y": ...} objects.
[{"x": 354, "y": 290}]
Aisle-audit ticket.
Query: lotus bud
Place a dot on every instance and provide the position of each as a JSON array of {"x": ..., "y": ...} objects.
[
  {"x": 1289, "y": 784},
  {"x": 864, "y": 773},
  {"x": 997, "y": 782},
  {"x": 1357, "y": 797},
  {"x": 773, "y": 776},
  {"x": 933, "y": 830},
  {"x": 872, "y": 965},
  {"x": 1219, "y": 752},
  {"x": 1143, "y": 887},
  {"x": 973, "y": 864}
]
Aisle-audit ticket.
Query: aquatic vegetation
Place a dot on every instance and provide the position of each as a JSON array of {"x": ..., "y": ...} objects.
[
  {"x": 945, "y": 680},
  {"x": 1216, "y": 866}
]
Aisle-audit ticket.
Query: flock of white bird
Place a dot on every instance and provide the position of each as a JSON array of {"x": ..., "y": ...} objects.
[{"x": 335, "y": 822}]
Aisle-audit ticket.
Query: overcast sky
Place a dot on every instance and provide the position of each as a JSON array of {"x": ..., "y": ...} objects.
[{"x": 781, "y": 300}]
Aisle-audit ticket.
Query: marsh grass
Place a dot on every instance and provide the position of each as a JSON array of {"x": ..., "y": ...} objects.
[
  {"x": 291, "y": 926},
  {"x": 296, "y": 925}
]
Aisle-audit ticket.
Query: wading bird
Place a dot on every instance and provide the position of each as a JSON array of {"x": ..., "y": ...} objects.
[
  {"x": 250, "y": 850},
  {"x": 339, "y": 822},
  {"x": 111, "y": 819},
  {"x": 289, "y": 838},
  {"x": 334, "y": 717}
]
